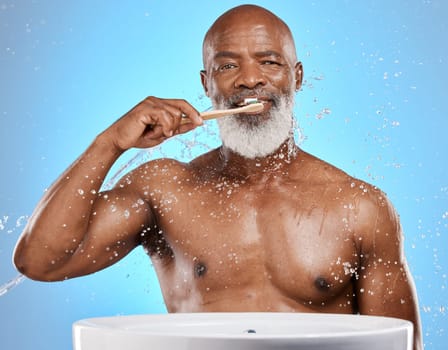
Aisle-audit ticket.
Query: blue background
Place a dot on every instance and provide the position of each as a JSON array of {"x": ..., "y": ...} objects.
[{"x": 373, "y": 103}]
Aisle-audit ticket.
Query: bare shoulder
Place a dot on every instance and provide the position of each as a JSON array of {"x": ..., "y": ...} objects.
[
  {"x": 316, "y": 171},
  {"x": 158, "y": 170},
  {"x": 373, "y": 215},
  {"x": 377, "y": 223},
  {"x": 322, "y": 171},
  {"x": 326, "y": 173}
]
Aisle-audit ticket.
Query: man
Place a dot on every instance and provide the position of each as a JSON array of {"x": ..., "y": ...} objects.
[{"x": 255, "y": 225}]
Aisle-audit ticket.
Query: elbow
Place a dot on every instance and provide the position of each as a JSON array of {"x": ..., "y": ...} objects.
[
  {"x": 29, "y": 270},
  {"x": 27, "y": 265},
  {"x": 36, "y": 274},
  {"x": 23, "y": 269},
  {"x": 19, "y": 260}
]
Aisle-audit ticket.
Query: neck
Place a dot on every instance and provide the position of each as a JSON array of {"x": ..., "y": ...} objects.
[{"x": 237, "y": 166}]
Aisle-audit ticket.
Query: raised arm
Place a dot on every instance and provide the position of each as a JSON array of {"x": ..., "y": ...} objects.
[
  {"x": 75, "y": 230},
  {"x": 384, "y": 286}
]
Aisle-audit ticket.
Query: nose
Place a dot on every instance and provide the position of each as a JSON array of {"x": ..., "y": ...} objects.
[{"x": 250, "y": 76}]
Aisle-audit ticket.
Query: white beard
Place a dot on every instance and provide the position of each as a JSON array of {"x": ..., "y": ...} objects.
[{"x": 254, "y": 138}]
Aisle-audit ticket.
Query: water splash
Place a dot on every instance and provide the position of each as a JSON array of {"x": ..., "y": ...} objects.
[
  {"x": 201, "y": 139},
  {"x": 135, "y": 160},
  {"x": 5, "y": 288},
  {"x": 6, "y": 223}
]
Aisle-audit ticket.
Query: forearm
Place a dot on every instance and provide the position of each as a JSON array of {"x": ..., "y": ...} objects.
[{"x": 61, "y": 219}]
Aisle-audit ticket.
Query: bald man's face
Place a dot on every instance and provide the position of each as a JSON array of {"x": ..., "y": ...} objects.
[{"x": 248, "y": 57}]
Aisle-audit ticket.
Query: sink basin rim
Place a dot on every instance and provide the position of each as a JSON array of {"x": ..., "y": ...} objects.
[{"x": 105, "y": 325}]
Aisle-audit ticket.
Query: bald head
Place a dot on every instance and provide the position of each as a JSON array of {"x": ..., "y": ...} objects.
[{"x": 243, "y": 19}]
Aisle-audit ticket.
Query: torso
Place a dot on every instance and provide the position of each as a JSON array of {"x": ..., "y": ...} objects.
[{"x": 284, "y": 241}]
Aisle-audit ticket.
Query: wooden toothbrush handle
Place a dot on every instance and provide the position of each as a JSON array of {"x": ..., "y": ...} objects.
[{"x": 217, "y": 113}]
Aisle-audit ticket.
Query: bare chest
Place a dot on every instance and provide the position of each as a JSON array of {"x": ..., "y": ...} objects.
[{"x": 228, "y": 237}]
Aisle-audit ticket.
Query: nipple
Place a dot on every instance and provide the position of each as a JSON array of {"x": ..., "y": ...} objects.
[
  {"x": 322, "y": 284},
  {"x": 200, "y": 269}
]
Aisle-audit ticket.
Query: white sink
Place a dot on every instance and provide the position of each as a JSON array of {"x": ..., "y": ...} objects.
[{"x": 238, "y": 331}]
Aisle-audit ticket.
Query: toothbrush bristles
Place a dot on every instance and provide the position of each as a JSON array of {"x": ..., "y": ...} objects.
[{"x": 250, "y": 100}]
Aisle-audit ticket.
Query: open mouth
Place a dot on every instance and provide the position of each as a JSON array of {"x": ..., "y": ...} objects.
[
  {"x": 253, "y": 106},
  {"x": 249, "y": 101}
]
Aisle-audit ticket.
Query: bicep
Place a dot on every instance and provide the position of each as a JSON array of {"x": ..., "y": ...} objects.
[
  {"x": 117, "y": 219},
  {"x": 384, "y": 286}
]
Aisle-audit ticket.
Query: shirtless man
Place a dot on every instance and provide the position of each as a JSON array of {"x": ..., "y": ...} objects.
[{"x": 255, "y": 225}]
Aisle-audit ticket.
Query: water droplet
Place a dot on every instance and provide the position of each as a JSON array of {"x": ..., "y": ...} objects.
[{"x": 20, "y": 221}]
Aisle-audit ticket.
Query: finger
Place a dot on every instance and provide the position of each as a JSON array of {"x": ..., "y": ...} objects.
[
  {"x": 188, "y": 110},
  {"x": 165, "y": 120},
  {"x": 168, "y": 115},
  {"x": 154, "y": 133},
  {"x": 177, "y": 116}
]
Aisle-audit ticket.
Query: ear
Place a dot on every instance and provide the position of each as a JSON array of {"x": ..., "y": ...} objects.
[
  {"x": 204, "y": 81},
  {"x": 298, "y": 68}
]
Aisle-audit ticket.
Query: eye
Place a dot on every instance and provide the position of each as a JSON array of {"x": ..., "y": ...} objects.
[
  {"x": 226, "y": 66},
  {"x": 270, "y": 62}
]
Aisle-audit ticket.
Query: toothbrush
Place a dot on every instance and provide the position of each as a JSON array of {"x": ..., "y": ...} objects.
[{"x": 251, "y": 105}]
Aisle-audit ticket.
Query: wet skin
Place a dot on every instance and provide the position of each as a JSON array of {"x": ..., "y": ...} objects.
[
  {"x": 281, "y": 240},
  {"x": 286, "y": 232}
]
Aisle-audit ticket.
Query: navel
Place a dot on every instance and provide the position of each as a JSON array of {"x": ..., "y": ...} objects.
[
  {"x": 200, "y": 269},
  {"x": 321, "y": 284}
]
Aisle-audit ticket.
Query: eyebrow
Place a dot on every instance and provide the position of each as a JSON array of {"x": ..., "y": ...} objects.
[
  {"x": 231, "y": 54},
  {"x": 268, "y": 53},
  {"x": 226, "y": 54}
]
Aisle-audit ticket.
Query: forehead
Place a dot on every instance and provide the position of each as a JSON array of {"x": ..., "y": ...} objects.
[{"x": 249, "y": 36}]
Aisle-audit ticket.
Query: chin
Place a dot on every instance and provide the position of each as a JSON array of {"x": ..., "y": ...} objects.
[{"x": 256, "y": 138}]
